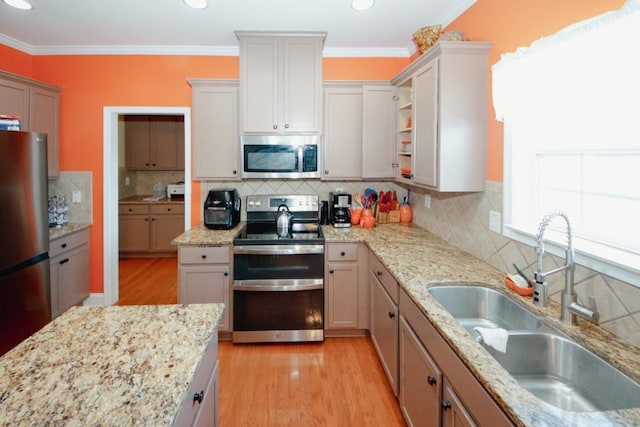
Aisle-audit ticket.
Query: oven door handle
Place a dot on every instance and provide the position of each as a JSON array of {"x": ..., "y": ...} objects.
[
  {"x": 279, "y": 249},
  {"x": 278, "y": 286}
]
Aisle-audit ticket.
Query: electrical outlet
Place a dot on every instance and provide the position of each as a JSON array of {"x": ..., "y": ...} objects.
[
  {"x": 76, "y": 196},
  {"x": 427, "y": 200},
  {"x": 495, "y": 221},
  {"x": 127, "y": 181}
]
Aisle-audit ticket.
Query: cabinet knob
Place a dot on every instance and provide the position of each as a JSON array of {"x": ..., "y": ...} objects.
[
  {"x": 204, "y": 256},
  {"x": 146, "y": 164},
  {"x": 379, "y": 273},
  {"x": 153, "y": 164},
  {"x": 330, "y": 271},
  {"x": 226, "y": 273},
  {"x": 64, "y": 245},
  {"x": 197, "y": 397},
  {"x": 391, "y": 315},
  {"x": 146, "y": 219},
  {"x": 153, "y": 219},
  {"x": 286, "y": 126},
  {"x": 343, "y": 253},
  {"x": 235, "y": 172},
  {"x": 168, "y": 209},
  {"x": 432, "y": 380},
  {"x": 275, "y": 126},
  {"x": 446, "y": 405},
  {"x": 326, "y": 172},
  {"x": 130, "y": 210}
]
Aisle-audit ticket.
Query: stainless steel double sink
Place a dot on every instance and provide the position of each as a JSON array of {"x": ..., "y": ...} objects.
[{"x": 547, "y": 363}]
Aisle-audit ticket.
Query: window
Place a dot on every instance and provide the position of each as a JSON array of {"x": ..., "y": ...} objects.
[{"x": 571, "y": 109}]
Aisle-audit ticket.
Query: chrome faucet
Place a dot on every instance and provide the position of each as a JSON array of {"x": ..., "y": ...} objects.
[{"x": 570, "y": 307}]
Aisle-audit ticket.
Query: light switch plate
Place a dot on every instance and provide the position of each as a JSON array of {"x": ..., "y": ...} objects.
[
  {"x": 495, "y": 221},
  {"x": 76, "y": 196},
  {"x": 427, "y": 200}
]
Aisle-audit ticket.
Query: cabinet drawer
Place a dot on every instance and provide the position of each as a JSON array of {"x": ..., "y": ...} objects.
[
  {"x": 383, "y": 275},
  {"x": 174, "y": 208},
  {"x": 342, "y": 252},
  {"x": 203, "y": 255},
  {"x": 68, "y": 242},
  {"x": 133, "y": 209}
]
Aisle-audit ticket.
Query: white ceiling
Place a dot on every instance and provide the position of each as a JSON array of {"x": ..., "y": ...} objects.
[{"x": 169, "y": 26}]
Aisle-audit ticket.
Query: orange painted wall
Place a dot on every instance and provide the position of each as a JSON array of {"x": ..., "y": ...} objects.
[
  {"x": 93, "y": 82},
  {"x": 511, "y": 24}
]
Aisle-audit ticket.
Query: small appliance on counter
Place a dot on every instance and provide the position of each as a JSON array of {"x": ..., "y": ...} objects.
[
  {"x": 222, "y": 209},
  {"x": 175, "y": 191},
  {"x": 339, "y": 209}
]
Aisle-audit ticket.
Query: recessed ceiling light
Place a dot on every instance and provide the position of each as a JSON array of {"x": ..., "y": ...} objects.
[
  {"x": 362, "y": 4},
  {"x": 196, "y": 4},
  {"x": 19, "y": 4}
]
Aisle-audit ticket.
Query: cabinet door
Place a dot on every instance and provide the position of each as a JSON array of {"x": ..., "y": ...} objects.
[
  {"x": 163, "y": 143},
  {"x": 44, "y": 112},
  {"x": 133, "y": 233},
  {"x": 384, "y": 331},
  {"x": 425, "y": 92},
  {"x": 301, "y": 105},
  {"x": 420, "y": 381},
  {"x": 206, "y": 284},
  {"x": 378, "y": 132},
  {"x": 136, "y": 142},
  {"x": 342, "y": 133},
  {"x": 215, "y": 131},
  {"x": 207, "y": 415},
  {"x": 73, "y": 277},
  {"x": 454, "y": 412},
  {"x": 341, "y": 306},
  {"x": 259, "y": 71},
  {"x": 14, "y": 100},
  {"x": 163, "y": 229}
]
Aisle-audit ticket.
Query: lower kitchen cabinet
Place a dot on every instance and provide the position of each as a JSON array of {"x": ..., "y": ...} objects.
[
  {"x": 346, "y": 290},
  {"x": 200, "y": 404},
  {"x": 436, "y": 387},
  {"x": 69, "y": 260},
  {"x": 384, "y": 319},
  {"x": 203, "y": 277},
  {"x": 148, "y": 229}
]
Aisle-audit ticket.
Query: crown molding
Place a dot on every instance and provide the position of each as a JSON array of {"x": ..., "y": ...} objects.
[{"x": 16, "y": 44}]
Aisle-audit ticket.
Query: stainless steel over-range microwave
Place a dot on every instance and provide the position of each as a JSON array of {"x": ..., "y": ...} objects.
[{"x": 286, "y": 156}]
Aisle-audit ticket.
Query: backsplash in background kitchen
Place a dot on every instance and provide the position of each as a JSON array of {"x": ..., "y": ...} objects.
[
  {"x": 142, "y": 182},
  {"x": 463, "y": 221},
  {"x": 65, "y": 185}
]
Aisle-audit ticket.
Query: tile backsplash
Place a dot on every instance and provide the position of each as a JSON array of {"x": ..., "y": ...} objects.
[
  {"x": 66, "y": 184},
  {"x": 463, "y": 221},
  {"x": 142, "y": 182}
]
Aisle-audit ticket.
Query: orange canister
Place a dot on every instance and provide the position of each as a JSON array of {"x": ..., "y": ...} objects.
[
  {"x": 406, "y": 214},
  {"x": 367, "y": 220}
]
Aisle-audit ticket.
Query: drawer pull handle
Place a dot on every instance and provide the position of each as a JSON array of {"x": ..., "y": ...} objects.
[
  {"x": 64, "y": 261},
  {"x": 197, "y": 397},
  {"x": 64, "y": 245},
  {"x": 432, "y": 380},
  {"x": 204, "y": 256},
  {"x": 391, "y": 315}
]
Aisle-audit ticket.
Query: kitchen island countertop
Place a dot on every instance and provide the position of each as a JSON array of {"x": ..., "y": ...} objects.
[{"x": 119, "y": 365}]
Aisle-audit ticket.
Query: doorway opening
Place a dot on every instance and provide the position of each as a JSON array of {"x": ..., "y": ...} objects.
[{"x": 112, "y": 134}]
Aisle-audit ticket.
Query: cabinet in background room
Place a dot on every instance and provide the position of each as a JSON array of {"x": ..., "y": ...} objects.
[
  {"x": 346, "y": 288},
  {"x": 204, "y": 277},
  {"x": 215, "y": 129},
  {"x": 148, "y": 229},
  {"x": 280, "y": 82},
  {"x": 69, "y": 271},
  {"x": 384, "y": 318},
  {"x": 38, "y": 106},
  {"x": 154, "y": 142},
  {"x": 441, "y": 135}
]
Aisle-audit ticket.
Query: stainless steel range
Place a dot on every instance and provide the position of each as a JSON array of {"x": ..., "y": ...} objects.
[{"x": 278, "y": 271}]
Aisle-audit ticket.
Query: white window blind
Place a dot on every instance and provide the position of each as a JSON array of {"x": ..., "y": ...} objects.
[{"x": 571, "y": 109}]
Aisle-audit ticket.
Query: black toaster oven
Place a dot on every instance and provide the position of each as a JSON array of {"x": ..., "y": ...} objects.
[{"x": 222, "y": 209}]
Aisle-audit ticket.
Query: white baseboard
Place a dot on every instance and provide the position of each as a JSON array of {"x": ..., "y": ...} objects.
[{"x": 94, "y": 300}]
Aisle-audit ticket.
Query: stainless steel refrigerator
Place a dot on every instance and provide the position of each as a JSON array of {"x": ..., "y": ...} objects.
[{"x": 25, "y": 301}]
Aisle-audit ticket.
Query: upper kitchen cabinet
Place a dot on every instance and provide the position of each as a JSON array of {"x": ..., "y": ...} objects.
[
  {"x": 38, "y": 106},
  {"x": 378, "y": 137},
  {"x": 215, "y": 129},
  {"x": 154, "y": 142},
  {"x": 441, "y": 132},
  {"x": 280, "y": 82}
]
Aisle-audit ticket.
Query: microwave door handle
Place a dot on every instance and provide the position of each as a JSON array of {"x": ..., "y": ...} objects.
[{"x": 301, "y": 158}]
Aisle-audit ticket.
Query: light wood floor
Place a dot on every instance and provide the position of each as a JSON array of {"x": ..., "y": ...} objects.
[{"x": 338, "y": 382}]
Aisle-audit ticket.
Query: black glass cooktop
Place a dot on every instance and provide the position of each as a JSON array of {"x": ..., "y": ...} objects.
[{"x": 265, "y": 234}]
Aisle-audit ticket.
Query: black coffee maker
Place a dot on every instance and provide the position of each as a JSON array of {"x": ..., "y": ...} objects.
[{"x": 339, "y": 209}]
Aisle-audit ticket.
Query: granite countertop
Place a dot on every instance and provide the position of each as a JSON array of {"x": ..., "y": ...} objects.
[
  {"x": 119, "y": 365},
  {"x": 416, "y": 258},
  {"x": 57, "y": 232},
  {"x": 139, "y": 200}
]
